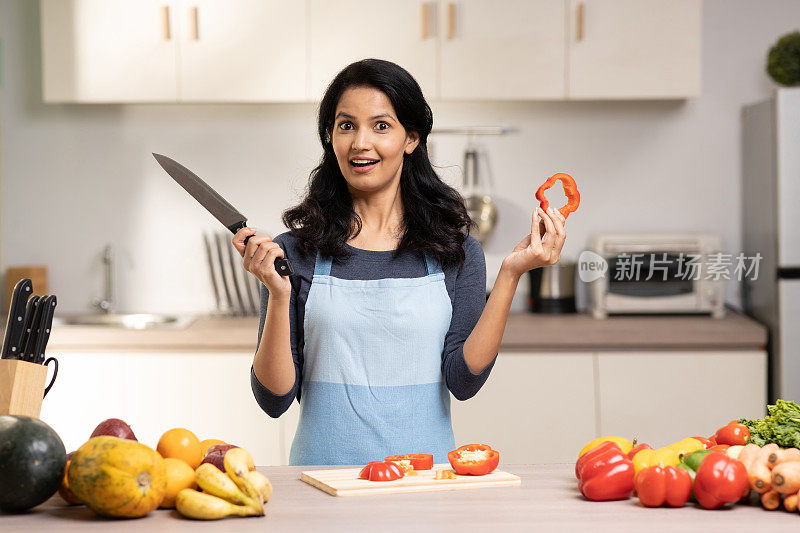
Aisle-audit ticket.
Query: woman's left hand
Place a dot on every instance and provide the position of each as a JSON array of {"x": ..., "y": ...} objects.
[{"x": 534, "y": 251}]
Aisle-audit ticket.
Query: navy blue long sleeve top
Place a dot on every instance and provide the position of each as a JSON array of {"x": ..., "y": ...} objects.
[{"x": 466, "y": 287}]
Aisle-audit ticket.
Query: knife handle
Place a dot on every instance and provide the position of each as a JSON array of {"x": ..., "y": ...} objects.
[
  {"x": 48, "y": 305},
  {"x": 282, "y": 265},
  {"x": 15, "y": 325}
]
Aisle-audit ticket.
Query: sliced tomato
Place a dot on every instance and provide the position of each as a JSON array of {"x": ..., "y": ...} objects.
[
  {"x": 381, "y": 471},
  {"x": 420, "y": 461}
]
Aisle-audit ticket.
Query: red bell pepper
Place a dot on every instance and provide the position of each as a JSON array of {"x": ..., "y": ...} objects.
[
  {"x": 670, "y": 485},
  {"x": 420, "y": 461},
  {"x": 606, "y": 475},
  {"x": 591, "y": 454},
  {"x": 474, "y": 459},
  {"x": 719, "y": 480},
  {"x": 720, "y": 447},
  {"x": 381, "y": 471},
  {"x": 733, "y": 434},
  {"x": 707, "y": 443},
  {"x": 636, "y": 449}
]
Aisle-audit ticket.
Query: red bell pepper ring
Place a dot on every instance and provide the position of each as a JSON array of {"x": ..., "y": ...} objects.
[
  {"x": 570, "y": 189},
  {"x": 608, "y": 475},
  {"x": 669, "y": 485},
  {"x": 473, "y": 459},
  {"x": 719, "y": 480},
  {"x": 419, "y": 461},
  {"x": 734, "y": 434},
  {"x": 381, "y": 471}
]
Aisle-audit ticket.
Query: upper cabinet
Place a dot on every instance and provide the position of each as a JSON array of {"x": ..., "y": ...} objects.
[
  {"x": 513, "y": 49},
  {"x": 108, "y": 51},
  {"x": 278, "y": 51},
  {"x": 634, "y": 49},
  {"x": 173, "y": 50},
  {"x": 344, "y": 31}
]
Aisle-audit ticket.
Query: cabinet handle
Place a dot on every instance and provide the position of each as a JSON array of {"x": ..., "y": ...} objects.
[
  {"x": 451, "y": 21},
  {"x": 581, "y": 17},
  {"x": 166, "y": 30},
  {"x": 425, "y": 19},
  {"x": 195, "y": 35}
]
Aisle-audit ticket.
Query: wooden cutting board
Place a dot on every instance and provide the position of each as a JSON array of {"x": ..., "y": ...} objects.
[{"x": 345, "y": 481}]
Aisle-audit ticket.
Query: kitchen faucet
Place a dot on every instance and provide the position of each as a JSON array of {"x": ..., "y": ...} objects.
[{"x": 106, "y": 305}]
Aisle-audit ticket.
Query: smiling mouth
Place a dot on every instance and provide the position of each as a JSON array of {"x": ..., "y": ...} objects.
[{"x": 362, "y": 162}]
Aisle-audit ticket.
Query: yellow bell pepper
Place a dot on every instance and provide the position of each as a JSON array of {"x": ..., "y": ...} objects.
[
  {"x": 649, "y": 457},
  {"x": 686, "y": 446},
  {"x": 624, "y": 444}
]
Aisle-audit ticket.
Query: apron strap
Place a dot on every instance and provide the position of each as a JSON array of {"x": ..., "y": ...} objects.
[
  {"x": 431, "y": 265},
  {"x": 322, "y": 265}
]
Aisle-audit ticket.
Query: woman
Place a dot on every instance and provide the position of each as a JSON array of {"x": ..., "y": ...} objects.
[{"x": 385, "y": 315}]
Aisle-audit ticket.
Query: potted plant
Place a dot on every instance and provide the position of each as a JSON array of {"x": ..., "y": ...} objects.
[{"x": 783, "y": 60}]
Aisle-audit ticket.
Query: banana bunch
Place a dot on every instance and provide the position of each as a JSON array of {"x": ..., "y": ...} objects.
[{"x": 239, "y": 491}]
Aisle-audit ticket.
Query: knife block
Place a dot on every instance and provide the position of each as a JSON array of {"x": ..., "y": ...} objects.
[{"x": 21, "y": 387}]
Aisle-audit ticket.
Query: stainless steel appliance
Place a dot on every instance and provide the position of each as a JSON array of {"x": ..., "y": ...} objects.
[
  {"x": 655, "y": 273},
  {"x": 552, "y": 289},
  {"x": 771, "y": 227}
]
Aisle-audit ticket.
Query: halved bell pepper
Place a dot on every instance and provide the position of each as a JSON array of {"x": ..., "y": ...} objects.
[
  {"x": 474, "y": 459},
  {"x": 660, "y": 457},
  {"x": 670, "y": 485},
  {"x": 420, "y": 461},
  {"x": 606, "y": 475},
  {"x": 624, "y": 444}
]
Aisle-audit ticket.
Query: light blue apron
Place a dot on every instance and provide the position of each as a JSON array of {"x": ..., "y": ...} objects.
[{"x": 372, "y": 369}]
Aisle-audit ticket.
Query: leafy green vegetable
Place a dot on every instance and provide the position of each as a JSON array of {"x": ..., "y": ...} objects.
[{"x": 782, "y": 426}]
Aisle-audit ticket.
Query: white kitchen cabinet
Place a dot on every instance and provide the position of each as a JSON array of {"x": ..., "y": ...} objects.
[
  {"x": 173, "y": 50},
  {"x": 662, "y": 397},
  {"x": 345, "y": 31},
  {"x": 109, "y": 51},
  {"x": 536, "y": 407},
  {"x": 500, "y": 50},
  {"x": 89, "y": 388},
  {"x": 242, "y": 51},
  {"x": 628, "y": 49},
  {"x": 206, "y": 392}
]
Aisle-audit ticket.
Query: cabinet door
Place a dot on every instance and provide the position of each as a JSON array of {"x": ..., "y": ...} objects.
[
  {"x": 634, "y": 49},
  {"x": 345, "y": 31},
  {"x": 207, "y": 393},
  {"x": 242, "y": 50},
  {"x": 108, "y": 51},
  {"x": 662, "y": 397},
  {"x": 507, "y": 49},
  {"x": 89, "y": 388},
  {"x": 535, "y": 408}
]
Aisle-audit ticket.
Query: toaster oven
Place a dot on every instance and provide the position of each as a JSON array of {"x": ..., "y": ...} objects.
[{"x": 653, "y": 273}]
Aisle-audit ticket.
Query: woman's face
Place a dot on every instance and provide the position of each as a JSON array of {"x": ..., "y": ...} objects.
[{"x": 365, "y": 128}]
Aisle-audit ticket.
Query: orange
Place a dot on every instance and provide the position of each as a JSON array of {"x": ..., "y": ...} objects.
[
  {"x": 179, "y": 476},
  {"x": 208, "y": 443},
  {"x": 180, "y": 443}
]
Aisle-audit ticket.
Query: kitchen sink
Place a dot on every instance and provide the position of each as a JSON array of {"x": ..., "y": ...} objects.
[{"x": 125, "y": 320}]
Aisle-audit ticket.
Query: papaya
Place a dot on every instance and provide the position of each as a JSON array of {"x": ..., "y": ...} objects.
[
  {"x": 64, "y": 491},
  {"x": 117, "y": 477}
]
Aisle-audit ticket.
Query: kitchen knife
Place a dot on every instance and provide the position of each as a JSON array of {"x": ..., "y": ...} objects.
[
  {"x": 32, "y": 329},
  {"x": 26, "y": 331},
  {"x": 214, "y": 203},
  {"x": 15, "y": 325},
  {"x": 48, "y": 305}
]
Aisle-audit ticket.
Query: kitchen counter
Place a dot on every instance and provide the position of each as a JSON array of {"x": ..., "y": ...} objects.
[
  {"x": 524, "y": 332},
  {"x": 547, "y": 500}
]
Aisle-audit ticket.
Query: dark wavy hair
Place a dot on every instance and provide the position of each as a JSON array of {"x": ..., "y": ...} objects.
[{"x": 434, "y": 218}]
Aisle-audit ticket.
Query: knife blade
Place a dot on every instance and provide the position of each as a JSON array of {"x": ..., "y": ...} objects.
[
  {"x": 214, "y": 203},
  {"x": 15, "y": 325},
  {"x": 48, "y": 305},
  {"x": 32, "y": 331}
]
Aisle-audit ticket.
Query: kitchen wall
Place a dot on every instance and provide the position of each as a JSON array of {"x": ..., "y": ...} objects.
[{"x": 80, "y": 176}]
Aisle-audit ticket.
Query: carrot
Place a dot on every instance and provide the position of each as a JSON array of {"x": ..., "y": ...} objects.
[
  {"x": 787, "y": 455},
  {"x": 766, "y": 451},
  {"x": 771, "y": 500},
  {"x": 760, "y": 477},
  {"x": 748, "y": 454},
  {"x": 786, "y": 477},
  {"x": 790, "y": 503}
]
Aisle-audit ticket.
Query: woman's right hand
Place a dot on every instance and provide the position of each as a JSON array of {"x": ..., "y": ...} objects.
[{"x": 258, "y": 258}]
